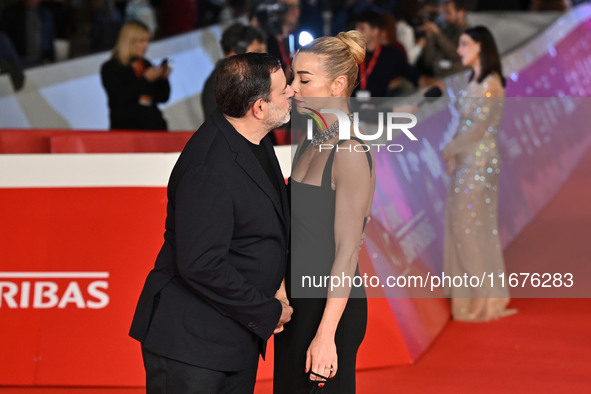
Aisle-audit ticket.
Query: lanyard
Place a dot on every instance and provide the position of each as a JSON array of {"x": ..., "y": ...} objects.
[
  {"x": 365, "y": 73},
  {"x": 139, "y": 68},
  {"x": 286, "y": 59}
]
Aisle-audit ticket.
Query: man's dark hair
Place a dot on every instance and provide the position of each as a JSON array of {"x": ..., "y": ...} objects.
[
  {"x": 243, "y": 79},
  {"x": 237, "y": 37},
  {"x": 459, "y": 4},
  {"x": 371, "y": 17}
]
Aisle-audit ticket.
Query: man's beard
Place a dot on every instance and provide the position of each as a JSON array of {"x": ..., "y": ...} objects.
[{"x": 276, "y": 120}]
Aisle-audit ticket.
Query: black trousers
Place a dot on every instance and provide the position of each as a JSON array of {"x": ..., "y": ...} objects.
[{"x": 167, "y": 376}]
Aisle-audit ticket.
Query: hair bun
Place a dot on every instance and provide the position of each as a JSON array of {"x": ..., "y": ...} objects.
[{"x": 355, "y": 42}]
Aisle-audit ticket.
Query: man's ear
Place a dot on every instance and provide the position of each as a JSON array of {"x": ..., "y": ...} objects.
[{"x": 259, "y": 109}]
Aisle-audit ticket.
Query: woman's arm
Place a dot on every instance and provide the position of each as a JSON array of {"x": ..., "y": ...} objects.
[
  {"x": 484, "y": 119},
  {"x": 162, "y": 85},
  {"x": 157, "y": 81},
  {"x": 123, "y": 87},
  {"x": 354, "y": 184}
]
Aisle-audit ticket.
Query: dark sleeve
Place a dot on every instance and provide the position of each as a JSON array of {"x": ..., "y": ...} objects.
[
  {"x": 447, "y": 47},
  {"x": 403, "y": 68},
  {"x": 10, "y": 62},
  {"x": 48, "y": 33},
  {"x": 208, "y": 96},
  {"x": 204, "y": 227},
  {"x": 429, "y": 53},
  {"x": 161, "y": 92},
  {"x": 12, "y": 22},
  {"x": 159, "y": 89}
]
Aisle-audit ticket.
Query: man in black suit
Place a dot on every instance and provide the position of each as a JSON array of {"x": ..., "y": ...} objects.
[{"x": 208, "y": 306}]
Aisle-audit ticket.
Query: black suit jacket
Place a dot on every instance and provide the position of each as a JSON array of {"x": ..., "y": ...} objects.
[{"x": 209, "y": 299}]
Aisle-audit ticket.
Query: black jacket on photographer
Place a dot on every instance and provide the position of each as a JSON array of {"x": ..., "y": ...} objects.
[
  {"x": 132, "y": 98},
  {"x": 439, "y": 57}
]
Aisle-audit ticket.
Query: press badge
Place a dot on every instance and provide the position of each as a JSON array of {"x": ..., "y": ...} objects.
[
  {"x": 363, "y": 94},
  {"x": 145, "y": 100}
]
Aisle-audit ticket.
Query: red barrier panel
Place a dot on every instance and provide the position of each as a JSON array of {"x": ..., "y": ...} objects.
[
  {"x": 89, "y": 251},
  {"x": 28, "y": 141},
  {"x": 70, "y": 141},
  {"x": 120, "y": 142},
  {"x": 73, "y": 260},
  {"x": 113, "y": 141}
]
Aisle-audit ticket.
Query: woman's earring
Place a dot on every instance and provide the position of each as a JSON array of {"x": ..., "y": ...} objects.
[{"x": 332, "y": 94}]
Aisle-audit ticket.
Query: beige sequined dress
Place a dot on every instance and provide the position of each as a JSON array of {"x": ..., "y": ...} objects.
[{"x": 472, "y": 243}]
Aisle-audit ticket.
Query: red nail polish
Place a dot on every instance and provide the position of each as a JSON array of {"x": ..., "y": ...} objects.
[
  {"x": 306, "y": 370},
  {"x": 321, "y": 385}
]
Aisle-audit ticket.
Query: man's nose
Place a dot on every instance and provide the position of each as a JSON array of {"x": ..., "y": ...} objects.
[{"x": 290, "y": 92}]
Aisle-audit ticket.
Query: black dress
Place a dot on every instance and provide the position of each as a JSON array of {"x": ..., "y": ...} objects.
[{"x": 312, "y": 253}]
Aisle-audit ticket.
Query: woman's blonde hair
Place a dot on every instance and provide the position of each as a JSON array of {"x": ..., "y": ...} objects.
[
  {"x": 130, "y": 32},
  {"x": 341, "y": 55}
]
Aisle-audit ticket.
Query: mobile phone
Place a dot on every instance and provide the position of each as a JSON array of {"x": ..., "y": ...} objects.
[{"x": 164, "y": 62}]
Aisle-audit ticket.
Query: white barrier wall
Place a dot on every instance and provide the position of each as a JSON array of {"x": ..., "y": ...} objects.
[{"x": 69, "y": 94}]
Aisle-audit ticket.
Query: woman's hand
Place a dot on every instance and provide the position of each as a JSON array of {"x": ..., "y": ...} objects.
[
  {"x": 152, "y": 73},
  {"x": 449, "y": 160},
  {"x": 450, "y": 165},
  {"x": 321, "y": 359}
]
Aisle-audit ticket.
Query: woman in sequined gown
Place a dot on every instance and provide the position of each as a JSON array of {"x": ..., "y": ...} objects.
[
  {"x": 331, "y": 195},
  {"x": 472, "y": 243}
]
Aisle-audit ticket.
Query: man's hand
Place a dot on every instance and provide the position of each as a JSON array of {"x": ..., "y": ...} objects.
[
  {"x": 422, "y": 42},
  {"x": 430, "y": 28},
  {"x": 281, "y": 293},
  {"x": 285, "y": 317}
]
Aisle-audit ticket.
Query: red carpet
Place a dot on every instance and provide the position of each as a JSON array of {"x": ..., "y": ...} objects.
[{"x": 545, "y": 348}]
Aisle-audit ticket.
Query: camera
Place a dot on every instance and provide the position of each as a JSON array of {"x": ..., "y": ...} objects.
[
  {"x": 420, "y": 19},
  {"x": 270, "y": 15}
]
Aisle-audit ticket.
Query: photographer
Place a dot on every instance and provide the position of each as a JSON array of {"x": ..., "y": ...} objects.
[
  {"x": 439, "y": 56},
  {"x": 385, "y": 70},
  {"x": 134, "y": 86},
  {"x": 279, "y": 19},
  {"x": 236, "y": 39},
  {"x": 407, "y": 18}
]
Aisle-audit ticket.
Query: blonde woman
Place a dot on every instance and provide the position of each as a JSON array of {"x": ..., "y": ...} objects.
[
  {"x": 134, "y": 86},
  {"x": 332, "y": 190}
]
